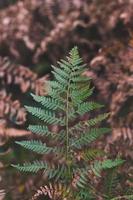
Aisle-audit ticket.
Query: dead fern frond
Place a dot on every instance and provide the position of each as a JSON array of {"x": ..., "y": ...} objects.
[{"x": 55, "y": 191}]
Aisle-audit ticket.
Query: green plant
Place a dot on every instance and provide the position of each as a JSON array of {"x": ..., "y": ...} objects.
[
  {"x": 112, "y": 186},
  {"x": 66, "y": 106}
]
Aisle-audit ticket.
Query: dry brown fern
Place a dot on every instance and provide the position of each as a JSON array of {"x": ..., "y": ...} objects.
[
  {"x": 24, "y": 78},
  {"x": 2, "y": 194},
  {"x": 111, "y": 71},
  {"x": 54, "y": 192},
  {"x": 12, "y": 113},
  {"x": 39, "y": 25}
]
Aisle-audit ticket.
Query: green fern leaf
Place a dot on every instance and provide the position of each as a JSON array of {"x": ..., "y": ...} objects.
[
  {"x": 40, "y": 130},
  {"x": 31, "y": 167},
  {"x": 85, "y": 194},
  {"x": 67, "y": 65},
  {"x": 44, "y": 115},
  {"x": 111, "y": 183},
  {"x": 96, "y": 120},
  {"x": 61, "y": 72},
  {"x": 83, "y": 179},
  {"x": 36, "y": 146},
  {"x": 91, "y": 154},
  {"x": 60, "y": 79},
  {"x": 48, "y": 102},
  {"x": 81, "y": 94},
  {"x": 89, "y": 123},
  {"x": 56, "y": 87},
  {"x": 64, "y": 109},
  {"x": 98, "y": 166},
  {"x": 89, "y": 137},
  {"x": 88, "y": 106},
  {"x": 80, "y": 79}
]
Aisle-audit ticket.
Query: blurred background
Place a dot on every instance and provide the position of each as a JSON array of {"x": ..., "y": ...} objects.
[{"x": 37, "y": 33}]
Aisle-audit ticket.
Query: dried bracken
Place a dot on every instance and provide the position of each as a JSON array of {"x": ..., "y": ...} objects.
[
  {"x": 2, "y": 194},
  {"x": 38, "y": 25},
  {"x": 54, "y": 192},
  {"x": 112, "y": 75},
  {"x": 12, "y": 113},
  {"x": 11, "y": 109},
  {"x": 24, "y": 78}
]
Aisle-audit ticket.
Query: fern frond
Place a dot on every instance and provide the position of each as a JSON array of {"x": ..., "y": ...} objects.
[
  {"x": 78, "y": 72},
  {"x": 54, "y": 85},
  {"x": 80, "y": 95},
  {"x": 91, "y": 154},
  {"x": 129, "y": 190},
  {"x": 48, "y": 102},
  {"x": 80, "y": 79},
  {"x": 82, "y": 179},
  {"x": 61, "y": 72},
  {"x": 96, "y": 120},
  {"x": 53, "y": 191},
  {"x": 89, "y": 137},
  {"x": 88, "y": 106},
  {"x": 65, "y": 105},
  {"x": 111, "y": 182},
  {"x": 85, "y": 194},
  {"x": 31, "y": 167},
  {"x": 72, "y": 114},
  {"x": 36, "y": 146},
  {"x": 45, "y": 115},
  {"x": 56, "y": 93},
  {"x": 74, "y": 58},
  {"x": 98, "y": 166},
  {"x": 66, "y": 65},
  {"x": 60, "y": 78},
  {"x": 58, "y": 172},
  {"x": 44, "y": 131},
  {"x": 49, "y": 171},
  {"x": 89, "y": 123},
  {"x": 40, "y": 130}
]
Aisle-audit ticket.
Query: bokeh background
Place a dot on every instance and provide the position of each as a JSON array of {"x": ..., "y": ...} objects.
[{"x": 35, "y": 34}]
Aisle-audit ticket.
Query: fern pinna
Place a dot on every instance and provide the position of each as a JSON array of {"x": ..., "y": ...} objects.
[{"x": 65, "y": 106}]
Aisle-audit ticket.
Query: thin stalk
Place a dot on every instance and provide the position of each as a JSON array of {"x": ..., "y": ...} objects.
[{"x": 67, "y": 120}]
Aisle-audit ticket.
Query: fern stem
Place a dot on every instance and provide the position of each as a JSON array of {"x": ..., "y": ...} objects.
[{"x": 67, "y": 120}]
